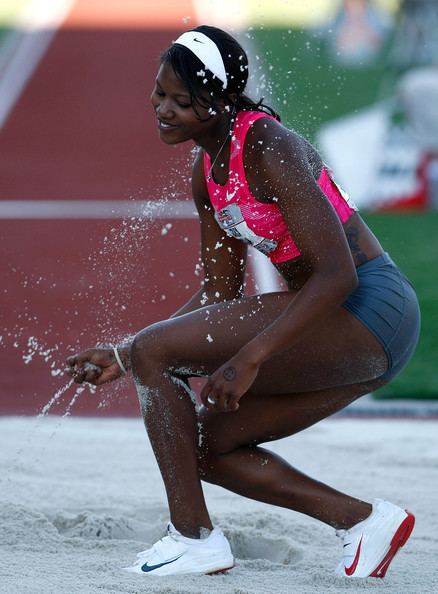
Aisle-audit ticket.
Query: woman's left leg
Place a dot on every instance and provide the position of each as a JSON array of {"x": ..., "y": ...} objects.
[{"x": 230, "y": 454}]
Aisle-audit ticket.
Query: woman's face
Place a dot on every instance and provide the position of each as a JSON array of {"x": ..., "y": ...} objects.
[{"x": 176, "y": 118}]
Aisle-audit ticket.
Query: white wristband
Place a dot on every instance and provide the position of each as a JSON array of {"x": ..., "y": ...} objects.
[{"x": 119, "y": 361}]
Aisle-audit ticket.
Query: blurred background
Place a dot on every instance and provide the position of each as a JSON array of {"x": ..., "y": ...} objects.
[{"x": 98, "y": 234}]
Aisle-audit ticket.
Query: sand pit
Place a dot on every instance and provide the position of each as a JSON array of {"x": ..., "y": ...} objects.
[{"x": 80, "y": 497}]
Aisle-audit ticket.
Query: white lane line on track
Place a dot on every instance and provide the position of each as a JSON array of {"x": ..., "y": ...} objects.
[
  {"x": 96, "y": 209},
  {"x": 25, "y": 46}
]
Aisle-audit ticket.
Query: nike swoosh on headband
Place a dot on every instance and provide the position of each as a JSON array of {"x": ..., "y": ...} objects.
[{"x": 207, "y": 51}]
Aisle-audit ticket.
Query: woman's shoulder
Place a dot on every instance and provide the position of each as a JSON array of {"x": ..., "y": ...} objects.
[
  {"x": 265, "y": 131},
  {"x": 268, "y": 138}
]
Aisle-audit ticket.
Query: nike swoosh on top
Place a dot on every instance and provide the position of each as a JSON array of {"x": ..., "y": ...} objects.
[
  {"x": 147, "y": 567},
  {"x": 350, "y": 570},
  {"x": 198, "y": 40}
]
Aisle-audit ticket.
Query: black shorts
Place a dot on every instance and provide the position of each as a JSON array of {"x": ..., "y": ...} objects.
[{"x": 386, "y": 303}]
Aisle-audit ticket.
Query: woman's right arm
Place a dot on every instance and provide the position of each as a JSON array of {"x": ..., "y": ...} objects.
[
  {"x": 223, "y": 261},
  {"x": 223, "y": 258}
]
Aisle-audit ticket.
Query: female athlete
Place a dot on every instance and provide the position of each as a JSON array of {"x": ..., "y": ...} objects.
[{"x": 276, "y": 363}]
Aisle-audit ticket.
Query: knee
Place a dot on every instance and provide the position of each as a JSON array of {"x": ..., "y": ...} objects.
[{"x": 148, "y": 351}]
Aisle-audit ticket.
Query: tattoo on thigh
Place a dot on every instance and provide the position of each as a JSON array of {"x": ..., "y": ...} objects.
[{"x": 229, "y": 374}]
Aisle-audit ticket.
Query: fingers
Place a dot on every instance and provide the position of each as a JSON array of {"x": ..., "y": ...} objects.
[
  {"x": 79, "y": 359},
  {"x": 217, "y": 400},
  {"x": 95, "y": 366},
  {"x": 233, "y": 403},
  {"x": 92, "y": 373},
  {"x": 81, "y": 370}
]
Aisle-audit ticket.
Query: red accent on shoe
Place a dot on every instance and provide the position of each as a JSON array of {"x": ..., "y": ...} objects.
[
  {"x": 350, "y": 570},
  {"x": 399, "y": 540},
  {"x": 221, "y": 571}
]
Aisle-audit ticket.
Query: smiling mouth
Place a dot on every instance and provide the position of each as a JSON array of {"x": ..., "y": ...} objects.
[{"x": 164, "y": 126}]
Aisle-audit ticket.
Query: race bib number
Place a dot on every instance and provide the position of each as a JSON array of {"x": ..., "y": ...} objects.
[{"x": 231, "y": 220}]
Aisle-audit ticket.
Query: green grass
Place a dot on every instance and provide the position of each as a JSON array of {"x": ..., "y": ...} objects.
[
  {"x": 310, "y": 89},
  {"x": 412, "y": 241}
]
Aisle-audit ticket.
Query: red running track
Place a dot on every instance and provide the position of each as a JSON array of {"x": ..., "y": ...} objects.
[{"x": 83, "y": 130}]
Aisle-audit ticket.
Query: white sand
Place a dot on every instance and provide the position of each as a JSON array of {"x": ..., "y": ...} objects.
[{"x": 80, "y": 497}]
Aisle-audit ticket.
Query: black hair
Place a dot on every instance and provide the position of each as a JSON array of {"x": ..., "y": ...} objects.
[{"x": 201, "y": 81}]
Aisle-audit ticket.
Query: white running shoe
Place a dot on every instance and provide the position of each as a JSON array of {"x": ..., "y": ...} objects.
[
  {"x": 176, "y": 554},
  {"x": 370, "y": 546}
]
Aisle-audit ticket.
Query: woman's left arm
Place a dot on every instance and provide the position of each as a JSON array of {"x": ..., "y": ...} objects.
[
  {"x": 284, "y": 170},
  {"x": 281, "y": 171}
]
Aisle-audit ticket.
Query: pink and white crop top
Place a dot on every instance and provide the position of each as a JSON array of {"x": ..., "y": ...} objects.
[{"x": 262, "y": 225}]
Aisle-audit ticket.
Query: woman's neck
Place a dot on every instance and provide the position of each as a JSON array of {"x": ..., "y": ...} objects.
[{"x": 217, "y": 135}]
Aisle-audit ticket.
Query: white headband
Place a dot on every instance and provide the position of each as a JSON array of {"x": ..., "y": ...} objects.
[{"x": 207, "y": 51}]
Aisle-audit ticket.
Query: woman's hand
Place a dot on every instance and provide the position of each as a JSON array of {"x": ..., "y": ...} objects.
[
  {"x": 95, "y": 366},
  {"x": 226, "y": 386}
]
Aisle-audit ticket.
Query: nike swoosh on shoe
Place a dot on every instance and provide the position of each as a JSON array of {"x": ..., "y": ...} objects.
[
  {"x": 146, "y": 568},
  {"x": 350, "y": 570}
]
